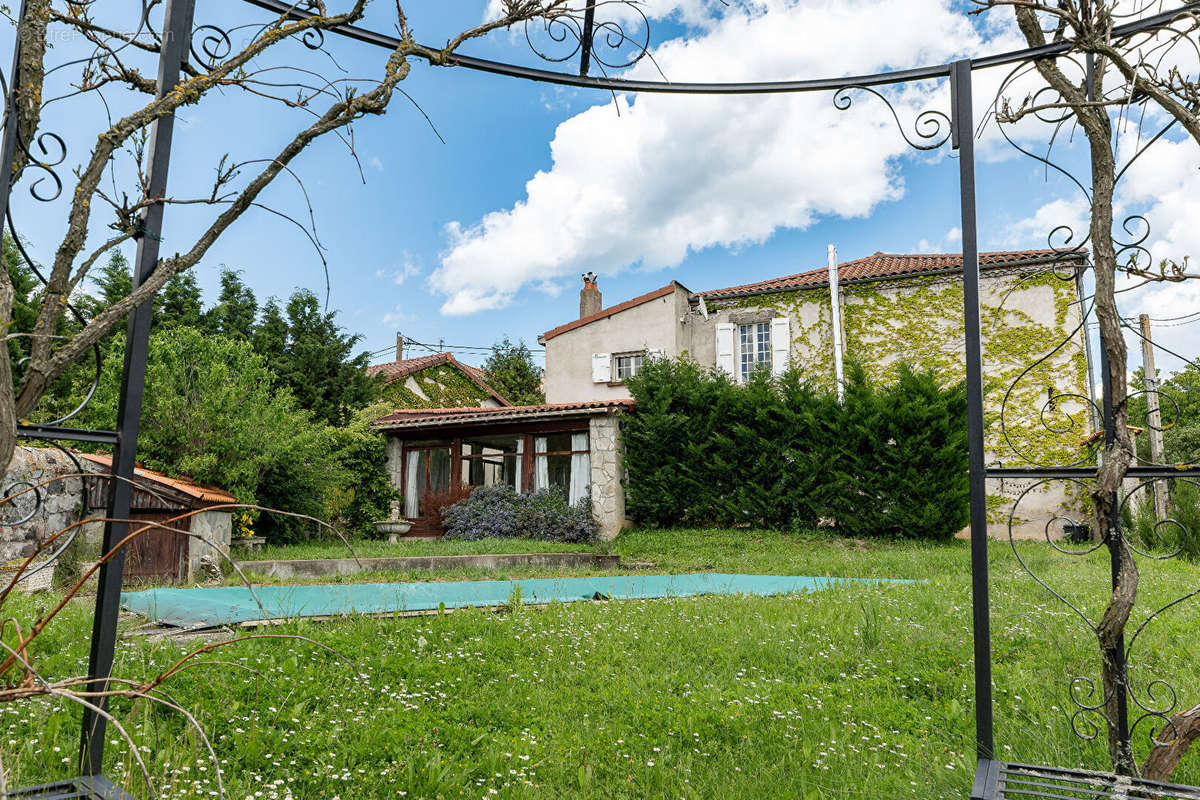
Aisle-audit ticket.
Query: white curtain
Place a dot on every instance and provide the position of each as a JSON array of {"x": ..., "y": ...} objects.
[
  {"x": 581, "y": 468},
  {"x": 411, "y": 482},
  {"x": 517, "y": 461},
  {"x": 541, "y": 465}
]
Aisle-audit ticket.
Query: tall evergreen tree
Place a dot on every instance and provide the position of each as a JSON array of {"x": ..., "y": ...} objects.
[
  {"x": 24, "y": 313},
  {"x": 271, "y": 334},
  {"x": 316, "y": 362},
  {"x": 236, "y": 307},
  {"x": 179, "y": 303},
  {"x": 511, "y": 372}
]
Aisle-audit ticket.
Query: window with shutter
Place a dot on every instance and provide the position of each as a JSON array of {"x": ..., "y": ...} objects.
[
  {"x": 781, "y": 340},
  {"x": 726, "y": 361},
  {"x": 601, "y": 368}
]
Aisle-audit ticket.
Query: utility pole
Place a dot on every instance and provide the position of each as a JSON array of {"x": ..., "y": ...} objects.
[
  {"x": 835, "y": 304},
  {"x": 1153, "y": 415}
]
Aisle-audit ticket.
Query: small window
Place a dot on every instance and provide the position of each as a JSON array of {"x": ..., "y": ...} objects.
[
  {"x": 754, "y": 342},
  {"x": 628, "y": 365}
]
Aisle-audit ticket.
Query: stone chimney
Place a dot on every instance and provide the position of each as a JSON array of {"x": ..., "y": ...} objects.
[
  {"x": 399, "y": 346},
  {"x": 589, "y": 296}
]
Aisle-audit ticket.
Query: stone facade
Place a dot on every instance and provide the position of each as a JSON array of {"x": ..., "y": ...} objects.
[
  {"x": 1035, "y": 355},
  {"x": 63, "y": 503},
  {"x": 608, "y": 475},
  {"x": 27, "y": 521}
]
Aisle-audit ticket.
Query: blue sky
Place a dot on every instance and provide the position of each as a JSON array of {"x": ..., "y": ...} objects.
[{"x": 460, "y": 242}]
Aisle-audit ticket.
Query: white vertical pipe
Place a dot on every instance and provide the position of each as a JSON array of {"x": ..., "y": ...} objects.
[{"x": 836, "y": 307}]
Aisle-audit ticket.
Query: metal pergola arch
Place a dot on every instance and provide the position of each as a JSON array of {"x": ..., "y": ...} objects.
[{"x": 994, "y": 778}]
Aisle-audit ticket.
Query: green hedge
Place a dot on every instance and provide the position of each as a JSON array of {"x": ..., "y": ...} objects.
[{"x": 776, "y": 452}]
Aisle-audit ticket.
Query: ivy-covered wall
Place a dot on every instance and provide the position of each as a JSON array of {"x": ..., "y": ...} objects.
[
  {"x": 439, "y": 386},
  {"x": 1035, "y": 367}
]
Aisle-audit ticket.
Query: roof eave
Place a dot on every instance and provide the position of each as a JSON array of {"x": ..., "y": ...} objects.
[
  {"x": 1025, "y": 262},
  {"x": 500, "y": 418}
]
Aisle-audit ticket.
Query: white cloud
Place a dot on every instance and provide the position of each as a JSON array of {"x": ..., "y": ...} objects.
[
  {"x": 677, "y": 174},
  {"x": 375, "y": 163},
  {"x": 409, "y": 267},
  {"x": 1061, "y": 223},
  {"x": 951, "y": 241}
]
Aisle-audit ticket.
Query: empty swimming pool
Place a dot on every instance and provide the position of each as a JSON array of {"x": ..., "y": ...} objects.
[{"x": 197, "y": 608}]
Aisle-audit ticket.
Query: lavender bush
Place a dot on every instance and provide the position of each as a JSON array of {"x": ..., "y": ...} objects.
[{"x": 500, "y": 512}]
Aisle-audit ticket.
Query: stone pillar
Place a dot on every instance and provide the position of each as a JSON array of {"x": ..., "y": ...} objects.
[{"x": 608, "y": 469}]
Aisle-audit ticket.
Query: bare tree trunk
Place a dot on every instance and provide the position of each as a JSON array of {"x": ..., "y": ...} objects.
[
  {"x": 1106, "y": 493},
  {"x": 1171, "y": 744}
]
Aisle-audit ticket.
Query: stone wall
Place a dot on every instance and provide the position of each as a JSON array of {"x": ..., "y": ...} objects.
[
  {"x": 27, "y": 521},
  {"x": 216, "y": 527},
  {"x": 608, "y": 473}
]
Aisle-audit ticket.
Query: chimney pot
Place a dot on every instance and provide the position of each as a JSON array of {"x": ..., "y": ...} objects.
[{"x": 590, "y": 301}]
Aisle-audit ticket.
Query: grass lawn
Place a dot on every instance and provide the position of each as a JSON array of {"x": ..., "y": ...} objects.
[{"x": 859, "y": 692}]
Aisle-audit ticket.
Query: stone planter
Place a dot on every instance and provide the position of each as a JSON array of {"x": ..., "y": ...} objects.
[
  {"x": 251, "y": 543},
  {"x": 393, "y": 528}
]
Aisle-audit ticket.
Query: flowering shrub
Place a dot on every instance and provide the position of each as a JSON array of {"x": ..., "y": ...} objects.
[
  {"x": 500, "y": 512},
  {"x": 243, "y": 524}
]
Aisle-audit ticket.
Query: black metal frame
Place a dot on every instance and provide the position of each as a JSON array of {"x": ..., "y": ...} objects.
[{"x": 994, "y": 779}]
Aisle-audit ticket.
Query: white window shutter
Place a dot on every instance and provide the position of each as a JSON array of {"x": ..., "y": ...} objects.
[
  {"x": 781, "y": 344},
  {"x": 726, "y": 362},
  {"x": 656, "y": 352},
  {"x": 601, "y": 367}
]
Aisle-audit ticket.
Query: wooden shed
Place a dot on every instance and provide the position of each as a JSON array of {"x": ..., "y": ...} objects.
[{"x": 161, "y": 556}]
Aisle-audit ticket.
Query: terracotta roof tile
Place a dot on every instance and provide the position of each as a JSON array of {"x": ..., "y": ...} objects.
[
  {"x": 207, "y": 494},
  {"x": 608, "y": 312},
  {"x": 881, "y": 266},
  {"x": 394, "y": 370},
  {"x": 417, "y": 417}
]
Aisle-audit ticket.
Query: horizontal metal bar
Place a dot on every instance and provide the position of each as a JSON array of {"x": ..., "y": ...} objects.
[
  {"x": 768, "y": 87},
  {"x": 1089, "y": 472},
  {"x": 66, "y": 434}
]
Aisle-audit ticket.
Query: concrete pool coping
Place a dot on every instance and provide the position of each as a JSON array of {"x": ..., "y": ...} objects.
[
  {"x": 323, "y": 567},
  {"x": 198, "y": 608}
]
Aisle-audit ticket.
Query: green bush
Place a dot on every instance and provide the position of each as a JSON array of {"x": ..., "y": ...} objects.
[
  {"x": 210, "y": 411},
  {"x": 889, "y": 461},
  {"x": 1180, "y": 532}
]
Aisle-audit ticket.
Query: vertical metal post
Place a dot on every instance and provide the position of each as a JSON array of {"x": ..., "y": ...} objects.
[
  {"x": 963, "y": 133},
  {"x": 177, "y": 30},
  {"x": 8, "y": 147},
  {"x": 835, "y": 306},
  {"x": 585, "y": 38}
]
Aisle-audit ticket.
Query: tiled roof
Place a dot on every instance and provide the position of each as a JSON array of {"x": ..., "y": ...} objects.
[
  {"x": 608, "y": 312},
  {"x": 207, "y": 494},
  {"x": 394, "y": 370},
  {"x": 881, "y": 266},
  {"x": 402, "y": 369},
  {"x": 437, "y": 417}
]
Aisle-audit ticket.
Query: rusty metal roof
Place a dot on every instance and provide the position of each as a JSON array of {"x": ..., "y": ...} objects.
[
  {"x": 394, "y": 370},
  {"x": 184, "y": 485},
  {"x": 441, "y": 417},
  {"x": 882, "y": 266}
]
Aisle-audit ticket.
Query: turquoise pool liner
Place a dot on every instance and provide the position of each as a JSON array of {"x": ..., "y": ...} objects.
[{"x": 224, "y": 605}]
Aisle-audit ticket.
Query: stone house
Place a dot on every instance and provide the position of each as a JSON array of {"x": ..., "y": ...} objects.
[
  {"x": 892, "y": 308},
  {"x": 65, "y": 498}
]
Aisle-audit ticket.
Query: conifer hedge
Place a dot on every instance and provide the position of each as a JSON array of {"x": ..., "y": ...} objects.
[{"x": 890, "y": 461}]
